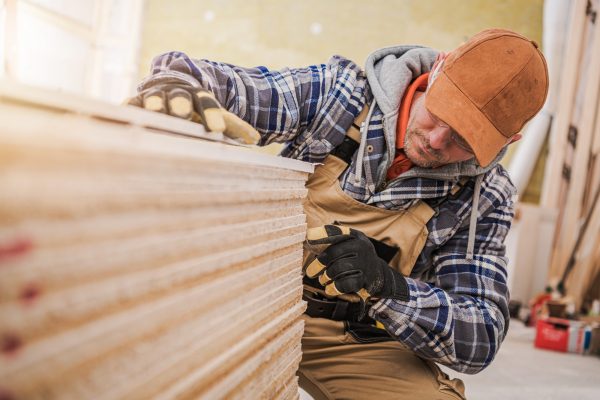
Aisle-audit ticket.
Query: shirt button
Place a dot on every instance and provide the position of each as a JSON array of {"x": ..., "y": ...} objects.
[
  {"x": 370, "y": 148},
  {"x": 384, "y": 315}
]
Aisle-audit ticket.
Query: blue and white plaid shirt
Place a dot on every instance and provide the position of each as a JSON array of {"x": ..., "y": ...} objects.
[{"x": 457, "y": 314}]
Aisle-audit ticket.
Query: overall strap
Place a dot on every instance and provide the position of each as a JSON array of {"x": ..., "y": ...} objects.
[
  {"x": 348, "y": 147},
  {"x": 422, "y": 211}
]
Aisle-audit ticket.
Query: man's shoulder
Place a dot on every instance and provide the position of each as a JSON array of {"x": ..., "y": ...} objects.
[
  {"x": 498, "y": 185},
  {"x": 343, "y": 65}
]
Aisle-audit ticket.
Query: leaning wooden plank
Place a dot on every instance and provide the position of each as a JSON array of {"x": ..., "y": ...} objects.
[
  {"x": 585, "y": 257},
  {"x": 573, "y": 204},
  {"x": 594, "y": 173},
  {"x": 572, "y": 134},
  {"x": 566, "y": 94}
]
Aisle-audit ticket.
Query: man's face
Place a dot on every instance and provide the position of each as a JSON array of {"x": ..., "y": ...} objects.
[{"x": 429, "y": 142}]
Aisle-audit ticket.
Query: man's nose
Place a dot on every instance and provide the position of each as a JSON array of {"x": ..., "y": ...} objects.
[{"x": 440, "y": 137}]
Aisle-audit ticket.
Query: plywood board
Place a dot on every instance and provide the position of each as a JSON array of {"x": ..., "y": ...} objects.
[{"x": 138, "y": 262}]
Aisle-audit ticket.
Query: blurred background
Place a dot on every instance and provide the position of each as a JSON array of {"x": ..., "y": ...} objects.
[{"x": 103, "y": 48}]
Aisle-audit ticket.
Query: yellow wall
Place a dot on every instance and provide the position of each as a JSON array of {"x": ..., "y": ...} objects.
[{"x": 277, "y": 33}]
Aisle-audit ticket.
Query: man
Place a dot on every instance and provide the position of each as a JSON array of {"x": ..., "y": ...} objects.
[{"x": 405, "y": 262}]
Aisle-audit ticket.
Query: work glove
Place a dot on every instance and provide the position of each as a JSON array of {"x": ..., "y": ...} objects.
[
  {"x": 347, "y": 262},
  {"x": 197, "y": 105}
]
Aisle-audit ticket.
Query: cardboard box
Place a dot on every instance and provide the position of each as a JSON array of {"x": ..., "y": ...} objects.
[
  {"x": 593, "y": 323},
  {"x": 595, "y": 342}
]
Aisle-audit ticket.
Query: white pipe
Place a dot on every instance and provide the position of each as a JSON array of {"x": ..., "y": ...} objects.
[
  {"x": 556, "y": 26},
  {"x": 556, "y": 13},
  {"x": 526, "y": 154}
]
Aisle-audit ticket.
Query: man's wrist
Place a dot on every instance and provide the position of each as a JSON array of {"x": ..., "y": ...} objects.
[{"x": 395, "y": 286}]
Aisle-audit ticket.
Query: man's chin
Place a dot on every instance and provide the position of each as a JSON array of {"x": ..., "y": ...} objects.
[{"x": 420, "y": 161}]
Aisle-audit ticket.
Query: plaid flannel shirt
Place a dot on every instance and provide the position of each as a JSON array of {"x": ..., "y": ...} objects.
[{"x": 457, "y": 314}]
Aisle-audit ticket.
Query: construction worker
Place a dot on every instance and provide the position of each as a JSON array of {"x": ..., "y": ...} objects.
[{"x": 407, "y": 209}]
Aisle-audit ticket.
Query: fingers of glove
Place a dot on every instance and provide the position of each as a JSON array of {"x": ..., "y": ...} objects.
[
  {"x": 324, "y": 279},
  {"x": 330, "y": 254},
  {"x": 314, "y": 268},
  {"x": 155, "y": 100},
  {"x": 180, "y": 103},
  {"x": 134, "y": 101},
  {"x": 333, "y": 289},
  {"x": 328, "y": 234},
  {"x": 349, "y": 282},
  {"x": 237, "y": 128},
  {"x": 209, "y": 110}
]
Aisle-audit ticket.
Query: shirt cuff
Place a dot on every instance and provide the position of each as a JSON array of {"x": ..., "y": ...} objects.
[
  {"x": 168, "y": 77},
  {"x": 399, "y": 317}
]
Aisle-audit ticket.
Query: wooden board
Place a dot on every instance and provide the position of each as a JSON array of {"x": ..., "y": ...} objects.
[
  {"x": 574, "y": 192},
  {"x": 564, "y": 106},
  {"x": 142, "y": 263}
]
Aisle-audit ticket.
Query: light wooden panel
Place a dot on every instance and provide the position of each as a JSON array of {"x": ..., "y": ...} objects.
[
  {"x": 564, "y": 107},
  {"x": 584, "y": 116},
  {"x": 138, "y": 262}
]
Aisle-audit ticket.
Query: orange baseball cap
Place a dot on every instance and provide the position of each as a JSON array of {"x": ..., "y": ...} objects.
[{"x": 488, "y": 88}]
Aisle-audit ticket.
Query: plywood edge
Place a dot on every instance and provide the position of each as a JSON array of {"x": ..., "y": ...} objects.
[{"x": 16, "y": 93}]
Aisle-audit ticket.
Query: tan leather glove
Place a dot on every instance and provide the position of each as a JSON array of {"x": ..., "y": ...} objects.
[{"x": 195, "y": 104}]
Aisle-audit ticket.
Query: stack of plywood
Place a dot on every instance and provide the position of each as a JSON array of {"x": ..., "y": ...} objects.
[{"x": 138, "y": 263}]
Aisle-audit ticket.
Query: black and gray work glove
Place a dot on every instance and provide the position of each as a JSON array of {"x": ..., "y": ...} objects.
[
  {"x": 347, "y": 263},
  {"x": 199, "y": 105}
]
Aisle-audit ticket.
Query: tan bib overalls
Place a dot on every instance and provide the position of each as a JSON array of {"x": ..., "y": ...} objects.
[{"x": 336, "y": 364}]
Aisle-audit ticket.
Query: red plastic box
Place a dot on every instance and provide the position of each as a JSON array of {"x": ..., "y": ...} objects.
[{"x": 552, "y": 334}]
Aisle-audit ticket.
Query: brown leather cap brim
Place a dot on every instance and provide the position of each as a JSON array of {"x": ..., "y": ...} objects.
[{"x": 449, "y": 104}]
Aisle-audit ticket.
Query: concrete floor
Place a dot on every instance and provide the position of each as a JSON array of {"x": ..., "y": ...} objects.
[{"x": 523, "y": 372}]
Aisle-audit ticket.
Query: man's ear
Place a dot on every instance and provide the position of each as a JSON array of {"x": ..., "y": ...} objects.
[{"x": 515, "y": 138}]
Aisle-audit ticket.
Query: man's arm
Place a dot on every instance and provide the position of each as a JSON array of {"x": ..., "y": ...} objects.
[
  {"x": 282, "y": 105},
  {"x": 461, "y": 318}
]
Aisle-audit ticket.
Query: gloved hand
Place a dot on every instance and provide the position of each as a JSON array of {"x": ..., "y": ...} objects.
[
  {"x": 195, "y": 104},
  {"x": 347, "y": 263}
]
